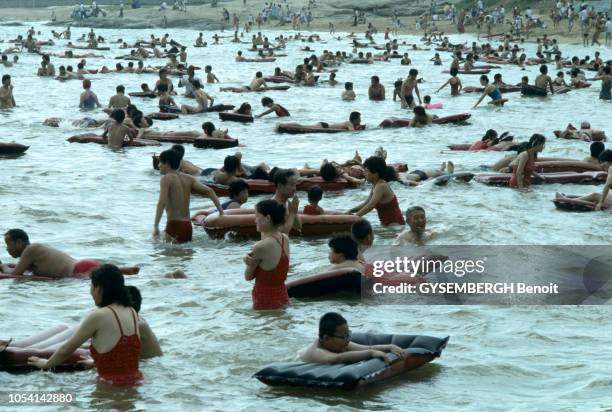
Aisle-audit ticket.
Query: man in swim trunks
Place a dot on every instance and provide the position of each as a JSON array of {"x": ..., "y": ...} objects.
[
  {"x": 353, "y": 123},
  {"x": 44, "y": 260},
  {"x": 409, "y": 86},
  {"x": 413, "y": 177},
  {"x": 174, "y": 196},
  {"x": 417, "y": 222},
  {"x": 6, "y": 93},
  {"x": 285, "y": 181},
  {"x": 543, "y": 80},
  {"x": 120, "y": 100},
  {"x": 334, "y": 345},
  {"x": 376, "y": 91}
]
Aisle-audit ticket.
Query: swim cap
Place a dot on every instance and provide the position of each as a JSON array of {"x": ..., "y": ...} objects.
[
  {"x": 585, "y": 125},
  {"x": 87, "y": 83}
]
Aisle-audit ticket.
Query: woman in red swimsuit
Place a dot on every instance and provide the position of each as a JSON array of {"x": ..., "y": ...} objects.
[
  {"x": 268, "y": 262},
  {"x": 381, "y": 197},
  {"x": 113, "y": 329},
  {"x": 523, "y": 167}
]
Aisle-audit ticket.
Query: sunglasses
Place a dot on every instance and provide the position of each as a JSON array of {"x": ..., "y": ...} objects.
[{"x": 346, "y": 338}]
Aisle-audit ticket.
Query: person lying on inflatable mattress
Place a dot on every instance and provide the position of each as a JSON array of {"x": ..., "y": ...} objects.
[
  {"x": 334, "y": 344},
  {"x": 43, "y": 260}
]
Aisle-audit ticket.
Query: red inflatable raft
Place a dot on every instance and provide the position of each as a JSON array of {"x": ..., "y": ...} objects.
[
  {"x": 93, "y": 138},
  {"x": 573, "y": 204},
  {"x": 212, "y": 143},
  {"x": 265, "y": 186},
  {"x": 235, "y": 221},
  {"x": 395, "y": 122},
  {"x": 14, "y": 354},
  {"x": 163, "y": 116},
  {"x": 12, "y": 148},
  {"x": 503, "y": 179},
  {"x": 236, "y": 117},
  {"x": 576, "y": 166},
  {"x": 296, "y": 128}
]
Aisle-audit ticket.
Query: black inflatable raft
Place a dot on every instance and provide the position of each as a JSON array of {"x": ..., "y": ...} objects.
[{"x": 419, "y": 350}]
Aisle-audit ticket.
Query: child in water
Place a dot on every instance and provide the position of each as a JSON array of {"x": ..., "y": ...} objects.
[
  {"x": 334, "y": 345},
  {"x": 348, "y": 94},
  {"x": 315, "y": 194}
]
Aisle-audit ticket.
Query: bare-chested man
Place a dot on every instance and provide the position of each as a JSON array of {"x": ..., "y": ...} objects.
[
  {"x": 376, "y": 91},
  {"x": 174, "y": 196},
  {"x": 120, "y": 100},
  {"x": 258, "y": 82},
  {"x": 116, "y": 132},
  {"x": 44, "y": 260},
  {"x": 417, "y": 221},
  {"x": 544, "y": 80},
  {"x": 6, "y": 93},
  {"x": 409, "y": 86},
  {"x": 285, "y": 182}
]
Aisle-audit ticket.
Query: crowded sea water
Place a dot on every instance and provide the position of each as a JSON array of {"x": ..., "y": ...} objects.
[{"x": 208, "y": 329}]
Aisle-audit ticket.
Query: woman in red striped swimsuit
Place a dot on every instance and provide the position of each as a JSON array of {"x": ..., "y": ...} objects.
[
  {"x": 268, "y": 262},
  {"x": 381, "y": 197},
  {"x": 113, "y": 329}
]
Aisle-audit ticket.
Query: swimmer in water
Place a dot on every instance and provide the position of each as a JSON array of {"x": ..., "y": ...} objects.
[
  {"x": 120, "y": 100},
  {"x": 174, "y": 196},
  {"x": 416, "y": 233},
  {"x": 268, "y": 262},
  {"x": 489, "y": 90},
  {"x": 376, "y": 91},
  {"x": 604, "y": 198},
  {"x": 211, "y": 132},
  {"x": 210, "y": 77},
  {"x": 334, "y": 345},
  {"x": 523, "y": 167},
  {"x": 272, "y": 107},
  {"x": 344, "y": 252},
  {"x": 116, "y": 132},
  {"x": 6, "y": 93},
  {"x": 204, "y": 100},
  {"x": 364, "y": 235},
  {"x": 43, "y": 260},
  {"x": 348, "y": 95},
  {"x": 421, "y": 117},
  {"x": 285, "y": 181},
  {"x": 88, "y": 99},
  {"x": 455, "y": 83},
  {"x": 381, "y": 197},
  {"x": 409, "y": 88},
  {"x": 543, "y": 80}
]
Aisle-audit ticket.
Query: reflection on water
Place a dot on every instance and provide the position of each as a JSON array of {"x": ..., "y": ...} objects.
[{"x": 93, "y": 202}]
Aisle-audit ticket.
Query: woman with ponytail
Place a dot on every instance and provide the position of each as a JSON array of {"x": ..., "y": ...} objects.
[
  {"x": 113, "y": 329},
  {"x": 523, "y": 167},
  {"x": 268, "y": 262},
  {"x": 381, "y": 197}
]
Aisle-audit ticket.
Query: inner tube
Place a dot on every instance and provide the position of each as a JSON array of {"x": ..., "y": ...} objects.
[
  {"x": 419, "y": 351},
  {"x": 213, "y": 143},
  {"x": 236, "y": 117},
  {"x": 163, "y": 116},
  {"x": 529, "y": 90},
  {"x": 576, "y": 166},
  {"x": 93, "y": 138},
  {"x": 151, "y": 95},
  {"x": 394, "y": 122},
  {"x": 503, "y": 179},
  {"x": 12, "y": 148},
  {"x": 572, "y": 204},
  {"x": 243, "y": 225},
  {"x": 14, "y": 354}
]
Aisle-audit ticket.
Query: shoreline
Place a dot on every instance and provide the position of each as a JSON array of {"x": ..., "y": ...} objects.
[{"x": 206, "y": 18}]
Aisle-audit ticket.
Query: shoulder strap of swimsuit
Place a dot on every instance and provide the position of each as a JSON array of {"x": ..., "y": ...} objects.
[
  {"x": 117, "y": 318},
  {"x": 134, "y": 319}
]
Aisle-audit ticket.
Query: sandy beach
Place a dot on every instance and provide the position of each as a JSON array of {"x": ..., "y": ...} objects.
[{"x": 205, "y": 17}]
